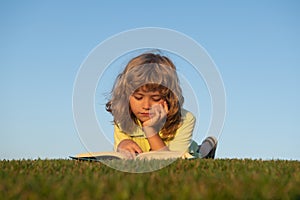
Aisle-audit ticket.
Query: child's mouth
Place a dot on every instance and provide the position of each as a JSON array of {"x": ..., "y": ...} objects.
[{"x": 145, "y": 114}]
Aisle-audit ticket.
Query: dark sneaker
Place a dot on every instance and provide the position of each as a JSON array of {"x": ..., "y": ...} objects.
[{"x": 208, "y": 147}]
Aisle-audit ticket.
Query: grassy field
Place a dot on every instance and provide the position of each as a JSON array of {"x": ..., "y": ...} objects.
[{"x": 183, "y": 179}]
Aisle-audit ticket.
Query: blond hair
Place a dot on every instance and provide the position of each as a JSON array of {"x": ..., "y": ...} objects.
[{"x": 151, "y": 72}]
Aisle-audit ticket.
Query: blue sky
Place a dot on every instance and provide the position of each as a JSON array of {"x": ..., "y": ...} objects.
[{"x": 255, "y": 45}]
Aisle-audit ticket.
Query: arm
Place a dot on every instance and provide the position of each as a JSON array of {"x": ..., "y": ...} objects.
[
  {"x": 124, "y": 143},
  {"x": 155, "y": 141},
  {"x": 152, "y": 126}
]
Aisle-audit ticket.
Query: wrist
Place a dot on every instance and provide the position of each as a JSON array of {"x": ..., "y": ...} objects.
[
  {"x": 156, "y": 143},
  {"x": 149, "y": 131}
]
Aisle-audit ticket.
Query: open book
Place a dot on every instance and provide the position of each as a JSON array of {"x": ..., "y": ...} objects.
[{"x": 158, "y": 155}]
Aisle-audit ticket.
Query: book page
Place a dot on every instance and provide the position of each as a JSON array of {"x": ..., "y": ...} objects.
[
  {"x": 102, "y": 155},
  {"x": 159, "y": 155}
]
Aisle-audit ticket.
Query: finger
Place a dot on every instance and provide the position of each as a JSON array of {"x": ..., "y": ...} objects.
[
  {"x": 162, "y": 111},
  {"x": 136, "y": 148},
  {"x": 129, "y": 145},
  {"x": 155, "y": 112},
  {"x": 128, "y": 152},
  {"x": 133, "y": 148},
  {"x": 157, "y": 115},
  {"x": 166, "y": 108}
]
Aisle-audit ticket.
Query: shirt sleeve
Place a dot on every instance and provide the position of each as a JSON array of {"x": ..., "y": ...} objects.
[
  {"x": 183, "y": 137},
  {"x": 119, "y": 136}
]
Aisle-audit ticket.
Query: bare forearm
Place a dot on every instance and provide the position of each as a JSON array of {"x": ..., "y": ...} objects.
[{"x": 156, "y": 143}]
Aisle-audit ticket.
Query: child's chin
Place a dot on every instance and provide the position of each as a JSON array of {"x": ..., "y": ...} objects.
[{"x": 144, "y": 118}]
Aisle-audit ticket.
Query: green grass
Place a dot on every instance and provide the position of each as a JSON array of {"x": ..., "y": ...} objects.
[{"x": 183, "y": 179}]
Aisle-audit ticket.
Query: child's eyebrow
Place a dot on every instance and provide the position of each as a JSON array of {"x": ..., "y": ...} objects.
[
  {"x": 138, "y": 93},
  {"x": 156, "y": 95},
  {"x": 142, "y": 94}
]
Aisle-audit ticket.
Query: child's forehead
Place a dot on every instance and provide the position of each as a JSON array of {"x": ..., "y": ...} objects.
[{"x": 148, "y": 90}]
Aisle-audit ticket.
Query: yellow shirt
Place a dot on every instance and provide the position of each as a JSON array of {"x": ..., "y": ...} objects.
[{"x": 181, "y": 142}]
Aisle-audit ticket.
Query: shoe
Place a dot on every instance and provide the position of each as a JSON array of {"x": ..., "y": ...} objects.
[{"x": 208, "y": 147}]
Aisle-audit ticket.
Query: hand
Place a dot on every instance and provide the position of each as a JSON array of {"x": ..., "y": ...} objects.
[
  {"x": 129, "y": 148},
  {"x": 158, "y": 116}
]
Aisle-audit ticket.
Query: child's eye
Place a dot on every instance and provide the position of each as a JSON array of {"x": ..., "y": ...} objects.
[
  {"x": 138, "y": 97},
  {"x": 156, "y": 99}
]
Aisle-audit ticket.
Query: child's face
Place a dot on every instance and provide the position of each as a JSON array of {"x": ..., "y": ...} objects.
[{"x": 142, "y": 101}]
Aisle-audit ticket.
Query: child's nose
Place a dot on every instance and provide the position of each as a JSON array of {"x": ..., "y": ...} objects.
[{"x": 146, "y": 104}]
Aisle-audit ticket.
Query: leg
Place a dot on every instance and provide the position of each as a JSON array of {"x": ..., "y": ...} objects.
[{"x": 208, "y": 147}]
